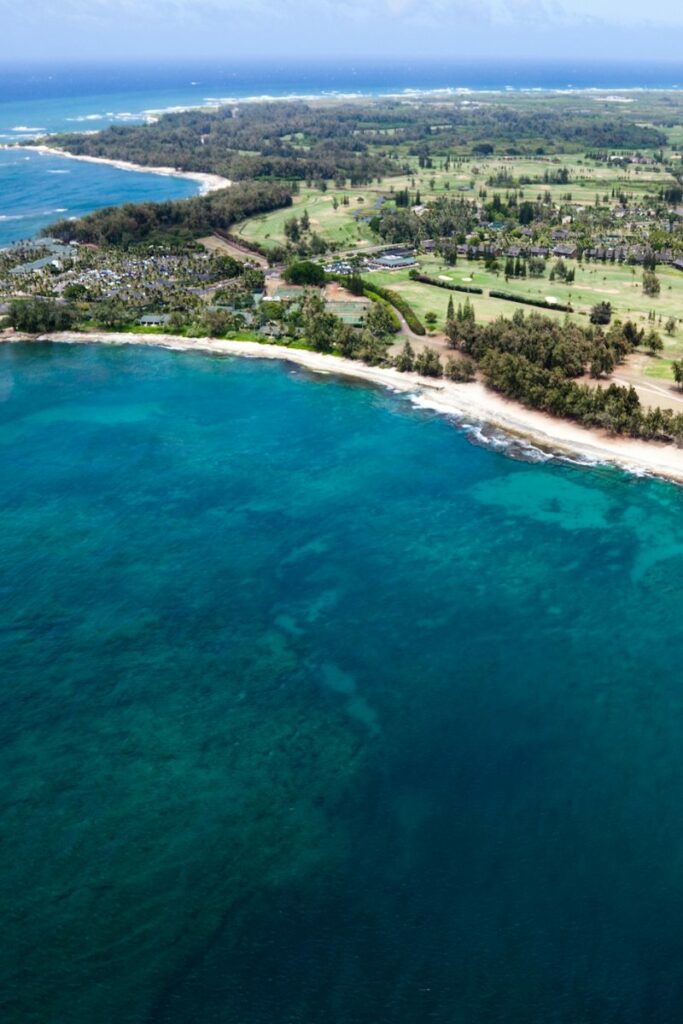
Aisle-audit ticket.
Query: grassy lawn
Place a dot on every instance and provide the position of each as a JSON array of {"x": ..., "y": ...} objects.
[
  {"x": 465, "y": 178},
  {"x": 425, "y": 298},
  {"x": 594, "y": 283},
  {"x": 337, "y": 226}
]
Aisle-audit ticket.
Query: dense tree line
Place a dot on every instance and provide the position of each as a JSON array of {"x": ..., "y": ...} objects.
[
  {"x": 615, "y": 408},
  {"x": 436, "y": 282},
  {"x": 536, "y": 361},
  {"x": 445, "y": 217},
  {"x": 39, "y": 316},
  {"x": 180, "y": 220},
  {"x": 349, "y": 142},
  {"x": 527, "y": 300}
]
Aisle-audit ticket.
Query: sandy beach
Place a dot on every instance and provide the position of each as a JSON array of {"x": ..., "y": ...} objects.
[
  {"x": 207, "y": 182},
  {"x": 471, "y": 402}
]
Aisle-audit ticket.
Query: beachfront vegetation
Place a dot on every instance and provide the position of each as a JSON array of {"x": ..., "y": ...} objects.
[
  {"x": 357, "y": 141},
  {"x": 176, "y": 222},
  {"x": 35, "y": 316}
]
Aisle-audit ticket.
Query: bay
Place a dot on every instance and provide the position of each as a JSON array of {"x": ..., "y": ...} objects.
[{"x": 314, "y": 711}]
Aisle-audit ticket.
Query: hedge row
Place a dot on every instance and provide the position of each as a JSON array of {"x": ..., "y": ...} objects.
[
  {"x": 370, "y": 294},
  {"x": 543, "y": 303},
  {"x": 399, "y": 303},
  {"x": 243, "y": 243},
  {"x": 426, "y": 279}
]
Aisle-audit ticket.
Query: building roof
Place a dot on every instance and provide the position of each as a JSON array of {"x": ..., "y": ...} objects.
[
  {"x": 392, "y": 262},
  {"x": 154, "y": 319}
]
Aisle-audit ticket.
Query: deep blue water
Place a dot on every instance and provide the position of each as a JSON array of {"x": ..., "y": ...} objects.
[
  {"x": 313, "y": 712},
  {"x": 89, "y": 97}
]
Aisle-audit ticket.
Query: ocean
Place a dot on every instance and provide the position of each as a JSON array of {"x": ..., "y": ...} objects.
[
  {"x": 37, "y": 189},
  {"x": 46, "y": 99},
  {"x": 314, "y": 711}
]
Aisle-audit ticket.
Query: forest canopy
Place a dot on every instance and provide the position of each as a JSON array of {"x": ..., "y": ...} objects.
[
  {"x": 176, "y": 221},
  {"x": 350, "y": 142}
]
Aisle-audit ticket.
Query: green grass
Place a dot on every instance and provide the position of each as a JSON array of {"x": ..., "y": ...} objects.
[
  {"x": 425, "y": 298},
  {"x": 590, "y": 179},
  {"x": 594, "y": 283},
  {"x": 336, "y": 226}
]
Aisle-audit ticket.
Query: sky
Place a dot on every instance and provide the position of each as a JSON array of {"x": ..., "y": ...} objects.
[{"x": 42, "y": 30}]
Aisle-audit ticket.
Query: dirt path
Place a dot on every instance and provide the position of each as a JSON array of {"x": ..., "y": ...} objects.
[{"x": 674, "y": 399}]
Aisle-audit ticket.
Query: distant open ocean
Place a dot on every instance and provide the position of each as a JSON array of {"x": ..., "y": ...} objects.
[{"x": 36, "y": 101}]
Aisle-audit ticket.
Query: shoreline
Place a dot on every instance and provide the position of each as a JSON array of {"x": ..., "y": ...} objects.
[
  {"x": 207, "y": 182},
  {"x": 466, "y": 401}
]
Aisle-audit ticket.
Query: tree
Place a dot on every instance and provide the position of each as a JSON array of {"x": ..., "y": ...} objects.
[
  {"x": 536, "y": 266},
  {"x": 372, "y": 350},
  {"x": 601, "y": 313},
  {"x": 216, "y": 322},
  {"x": 346, "y": 341},
  {"x": 460, "y": 368},
  {"x": 113, "y": 313},
  {"x": 431, "y": 320},
  {"x": 427, "y": 363},
  {"x": 176, "y": 323},
  {"x": 677, "y": 367},
  {"x": 450, "y": 312},
  {"x": 465, "y": 313},
  {"x": 670, "y": 327},
  {"x": 304, "y": 272},
  {"x": 603, "y": 361},
  {"x": 651, "y": 285},
  {"x": 36, "y": 316},
  {"x": 320, "y": 327},
  {"x": 653, "y": 342},
  {"x": 292, "y": 231},
  {"x": 526, "y": 213},
  {"x": 379, "y": 321},
  {"x": 405, "y": 361}
]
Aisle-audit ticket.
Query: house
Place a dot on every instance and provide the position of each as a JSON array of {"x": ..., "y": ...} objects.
[
  {"x": 27, "y": 268},
  {"x": 398, "y": 250},
  {"x": 154, "y": 320},
  {"x": 392, "y": 262},
  {"x": 270, "y": 331},
  {"x": 568, "y": 251}
]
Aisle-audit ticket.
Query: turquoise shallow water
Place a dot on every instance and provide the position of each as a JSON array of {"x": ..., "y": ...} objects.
[{"x": 314, "y": 712}]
